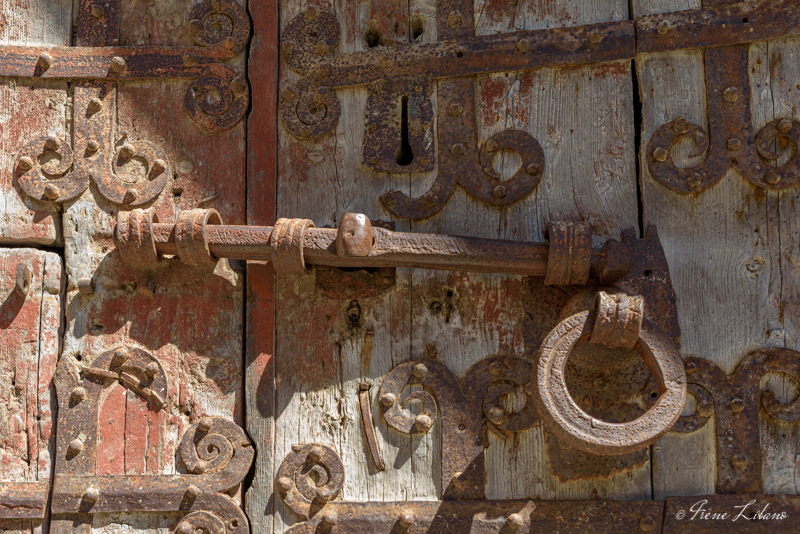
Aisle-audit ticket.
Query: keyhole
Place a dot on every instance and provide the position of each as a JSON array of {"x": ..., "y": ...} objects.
[{"x": 404, "y": 155}]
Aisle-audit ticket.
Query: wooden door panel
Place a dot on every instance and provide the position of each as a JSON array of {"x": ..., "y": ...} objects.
[
  {"x": 30, "y": 324},
  {"x": 730, "y": 249},
  {"x": 31, "y": 109}
]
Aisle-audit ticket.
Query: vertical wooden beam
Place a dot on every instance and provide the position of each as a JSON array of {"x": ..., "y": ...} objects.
[{"x": 262, "y": 139}]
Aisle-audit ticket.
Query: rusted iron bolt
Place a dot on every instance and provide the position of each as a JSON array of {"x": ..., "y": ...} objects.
[
  {"x": 785, "y": 126},
  {"x": 24, "y": 164},
  {"x": 204, "y": 425},
  {"x": 737, "y": 405},
  {"x": 705, "y": 409},
  {"x": 22, "y": 284},
  {"x": 388, "y": 400},
  {"x": 78, "y": 395},
  {"x": 325, "y": 494},
  {"x": 406, "y": 519},
  {"x": 420, "y": 370},
  {"x": 328, "y": 519},
  {"x": 423, "y": 423},
  {"x": 151, "y": 370},
  {"x": 285, "y": 483},
  {"x": 159, "y": 166},
  {"x": 91, "y": 495},
  {"x": 200, "y": 467},
  {"x": 316, "y": 453},
  {"x": 52, "y": 143},
  {"x": 192, "y": 492},
  {"x": 515, "y": 522},
  {"x": 117, "y": 66},
  {"x": 739, "y": 461},
  {"x": 126, "y": 152},
  {"x": 186, "y": 528},
  {"x": 647, "y": 524},
  {"x": 75, "y": 446},
  {"x": 664, "y": 27},
  {"x": 45, "y": 61},
  {"x": 51, "y": 192},
  {"x": 95, "y": 105}
]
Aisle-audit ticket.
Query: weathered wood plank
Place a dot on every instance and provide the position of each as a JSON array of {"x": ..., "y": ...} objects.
[
  {"x": 262, "y": 133},
  {"x": 323, "y": 346},
  {"x": 583, "y": 118},
  {"x": 730, "y": 251},
  {"x": 190, "y": 319},
  {"x": 29, "y": 110},
  {"x": 29, "y": 343}
]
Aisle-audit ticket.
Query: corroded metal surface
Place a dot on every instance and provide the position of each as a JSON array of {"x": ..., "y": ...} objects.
[
  {"x": 23, "y": 500},
  {"x": 298, "y": 244},
  {"x": 736, "y": 402},
  {"x": 310, "y": 476},
  {"x": 365, "y": 408},
  {"x": 215, "y": 451}
]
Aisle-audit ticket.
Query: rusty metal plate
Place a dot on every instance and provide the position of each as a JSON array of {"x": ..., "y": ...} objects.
[
  {"x": 23, "y": 500},
  {"x": 736, "y": 401},
  {"x": 486, "y": 517}
]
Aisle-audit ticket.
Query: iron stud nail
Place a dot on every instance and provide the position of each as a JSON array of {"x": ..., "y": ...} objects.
[
  {"x": 737, "y": 405},
  {"x": 195, "y": 26},
  {"x": 98, "y": 11},
  {"x": 420, "y": 370},
  {"x": 660, "y": 154},
  {"x": 693, "y": 181},
  {"x": 328, "y": 518},
  {"x": 515, "y": 522},
  {"x": 738, "y": 461},
  {"x": 121, "y": 355},
  {"x": 316, "y": 453},
  {"x": 118, "y": 65},
  {"x": 491, "y": 146},
  {"x": 496, "y": 413},
  {"x": 92, "y": 146},
  {"x": 126, "y": 152},
  {"x": 190, "y": 60},
  {"x": 131, "y": 194},
  {"x": 285, "y": 483},
  {"x": 785, "y": 126},
  {"x": 204, "y": 425},
  {"x": 423, "y": 422},
  {"x": 159, "y": 166},
  {"x": 52, "y": 144},
  {"x": 647, "y": 523},
  {"x": 681, "y": 127},
  {"x": 691, "y": 367},
  {"x": 192, "y": 491},
  {"x": 51, "y": 192},
  {"x": 23, "y": 280},
  {"x": 86, "y": 285},
  {"x": 457, "y": 150},
  {"x": 91, "y": 495},
  {"x": 78, "y": 394},
  {"x": 773, "y": 177},
  {"x": 388, "y": 400},
  {"x": 495, "y": 368},
  {"x": 325, "y": 494},
  {"x": 595, "y": 37},
  {"x": 455, "y": 109},
  {"x": 406, "y": 519},
  {"x": 186, "y": 528},
  {"x": 200, "y": 467},
  {"x": 731, "y": 95},
  {"x": 734, "y": 144},
  {"x": 95, "y": 105},
  {"x": 151, "y": 369},
  {"x": 664, "y": 27},
  {"x": 75, "y": 446},
  {"x": 25, "y": 164},
  {"x": 523, "y": 46},
  {"x": 45, "y": 60},
  {"x": 705, "y": 409},
  {"x": 499, "y": 192},
  {"x": 532, "y": 169}
]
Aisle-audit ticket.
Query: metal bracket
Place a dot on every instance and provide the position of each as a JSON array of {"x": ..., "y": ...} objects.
[
  {"x": 309, "y": 107},
  {"x": 736, "y": 401},
  {"x": 126, "y": 172},
  {"x": 215, "y": 452},
  {"x": 730, "y": 141}
]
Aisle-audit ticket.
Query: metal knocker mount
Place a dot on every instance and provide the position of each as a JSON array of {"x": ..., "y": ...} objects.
[{"x": 399, "y": 121}]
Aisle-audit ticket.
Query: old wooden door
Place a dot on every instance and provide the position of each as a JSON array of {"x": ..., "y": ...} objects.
[{"x": 200, "y": 333}]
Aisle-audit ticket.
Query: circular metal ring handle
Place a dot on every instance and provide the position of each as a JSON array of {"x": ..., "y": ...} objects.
[{"x": 570, "y": 423}]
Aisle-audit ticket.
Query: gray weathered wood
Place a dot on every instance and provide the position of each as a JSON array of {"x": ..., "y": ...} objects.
[{"x": 731, "y": 252}]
